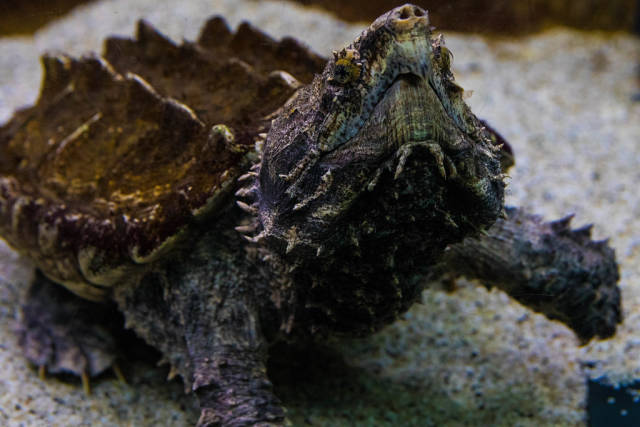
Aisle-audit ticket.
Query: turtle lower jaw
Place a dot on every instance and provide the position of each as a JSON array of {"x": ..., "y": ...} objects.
[{"x": 409, "y": 112}]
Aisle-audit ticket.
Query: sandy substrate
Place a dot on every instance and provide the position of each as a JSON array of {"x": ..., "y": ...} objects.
[{"x": 563, "y": 100}]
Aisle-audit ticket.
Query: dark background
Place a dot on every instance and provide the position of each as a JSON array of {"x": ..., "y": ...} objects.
[
  {"x": 605, "y": 403},
  {"x": 483, "y": 16}
]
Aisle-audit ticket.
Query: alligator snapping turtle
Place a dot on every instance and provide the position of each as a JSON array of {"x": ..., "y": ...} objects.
[{"x": 234, "y": 192}]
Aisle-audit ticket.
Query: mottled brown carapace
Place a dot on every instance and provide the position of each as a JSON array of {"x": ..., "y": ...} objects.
[
  {"x": 122, "y": 151},
  {"x": 236, "y": 192}
]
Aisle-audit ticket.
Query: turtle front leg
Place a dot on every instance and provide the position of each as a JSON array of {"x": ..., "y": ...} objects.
[
  {"x": 233, "y": 390},
  {"x": 60, "y": 332},
  {"x": 202, "y": 312},
  {"x": 230, "y": 377},
  {"x": 547, "y": 266}
]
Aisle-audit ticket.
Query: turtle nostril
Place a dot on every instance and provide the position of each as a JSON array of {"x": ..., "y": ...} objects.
[
  {"x": 409, "y": 11},
  {"x": 406, "y": 12}
]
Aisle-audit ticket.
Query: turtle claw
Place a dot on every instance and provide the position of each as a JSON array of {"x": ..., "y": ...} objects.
[
  {"x": 118, "y": 373},
  {"x": 86, "y": 386}
]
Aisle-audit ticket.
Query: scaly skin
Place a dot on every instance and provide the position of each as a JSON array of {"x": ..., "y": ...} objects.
[{"x": 546, "y": 266}]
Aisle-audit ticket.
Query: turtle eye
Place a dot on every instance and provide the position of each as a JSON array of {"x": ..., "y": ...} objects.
[
  {"x": 346, "y": 71},
  {"x": 341, "y": 74}
]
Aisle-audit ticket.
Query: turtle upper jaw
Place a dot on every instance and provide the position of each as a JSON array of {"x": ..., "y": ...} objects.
[
  {"x": 410, "y": 111},
  {"x": 358, "y": 76}
]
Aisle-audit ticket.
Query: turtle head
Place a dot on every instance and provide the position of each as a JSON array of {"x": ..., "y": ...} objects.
[{"x": 379, "y": 146}]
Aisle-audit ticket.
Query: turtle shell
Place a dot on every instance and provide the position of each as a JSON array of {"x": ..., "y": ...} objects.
[{"x": 123, "y": 152}]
